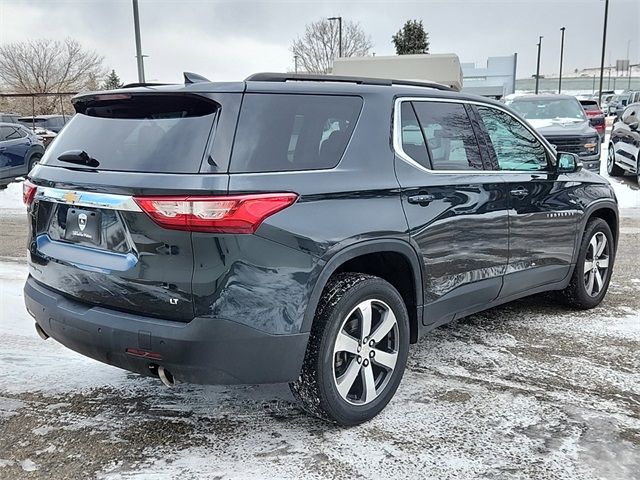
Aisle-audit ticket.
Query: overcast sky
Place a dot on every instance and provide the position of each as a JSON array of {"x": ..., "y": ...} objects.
[{"x": 227, "y": 40}]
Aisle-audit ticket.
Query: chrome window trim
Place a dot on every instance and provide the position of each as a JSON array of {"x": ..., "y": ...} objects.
[
  {"x": 397, "y": 136},
  {"x": 79, "y": 198}
]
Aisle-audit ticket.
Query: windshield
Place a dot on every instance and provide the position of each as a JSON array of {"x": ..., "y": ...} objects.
[
  {"x": 562, "y": 108},
  {"x": 145, "y": 134}
]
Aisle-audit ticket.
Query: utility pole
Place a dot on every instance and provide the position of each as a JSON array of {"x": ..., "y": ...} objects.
[
  {"x": 561, "y": 55},
  {"x": 538, "y": 67},
  {"x": 604, "y": 46},
  {"x": 295, "y": 63},
  {"x": 136, "y": 27},
  {"x": 629, "y": 64},
  {"x": 339, "y": 19}
]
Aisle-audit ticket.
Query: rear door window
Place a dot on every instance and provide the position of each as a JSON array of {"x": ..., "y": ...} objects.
[
  {"x": 412, "y": 139},
  {"x": 10, "y": 133},
  {"x": 449, "y": 134},
  {"x": 139, "y": 133},
  {"x": 278, "y": 132}
]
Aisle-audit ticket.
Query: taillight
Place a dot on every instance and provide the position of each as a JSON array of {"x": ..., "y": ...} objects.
[
  {"x": 228, "y": 214},
  {"x": 28, "y": 192}
]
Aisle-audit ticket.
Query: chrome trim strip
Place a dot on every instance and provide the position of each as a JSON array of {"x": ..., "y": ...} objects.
[
  {"x": 397, "y": 137},
  {"x": 107, "y": 201}
]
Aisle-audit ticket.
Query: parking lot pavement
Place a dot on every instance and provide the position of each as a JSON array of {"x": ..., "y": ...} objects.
[{"x": 527, "y": 390}]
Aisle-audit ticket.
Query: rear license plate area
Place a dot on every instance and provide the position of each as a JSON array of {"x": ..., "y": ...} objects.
[{"x": 83, "y": 226}]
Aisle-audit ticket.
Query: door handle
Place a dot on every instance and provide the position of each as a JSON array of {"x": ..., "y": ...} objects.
[
  {"x": 423, "y": 200},
  {"x": 519, "y": 192}
]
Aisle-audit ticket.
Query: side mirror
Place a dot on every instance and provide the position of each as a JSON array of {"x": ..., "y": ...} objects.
[{"x": 568, "y": 163}]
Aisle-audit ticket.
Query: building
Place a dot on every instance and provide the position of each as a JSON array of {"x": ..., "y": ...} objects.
[
  {"x": 497, "y": 79},
  {"x": 442, "y": 68}
]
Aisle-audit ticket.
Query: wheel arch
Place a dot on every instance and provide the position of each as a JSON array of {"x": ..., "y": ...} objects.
[
  {"x": 607, "y": 210},
  {"x": 375, "y": 257},
  {"x": 34, "y": 151}
]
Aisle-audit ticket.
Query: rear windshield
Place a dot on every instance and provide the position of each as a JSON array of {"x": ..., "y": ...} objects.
[
  {"x": 29, "y": 121},
  {"x": 293, "y": 132},
  {"x": 590, "y": 106},
  {"x": 143, "y": 133}
]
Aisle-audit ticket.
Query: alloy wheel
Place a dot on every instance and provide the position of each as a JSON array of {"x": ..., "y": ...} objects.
[
  {"x": 365, "y": 352},
  {"x": 596, "y": 264}
]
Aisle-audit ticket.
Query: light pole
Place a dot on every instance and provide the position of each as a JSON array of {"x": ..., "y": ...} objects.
[
  {"x": 561, "y": 55},
  {"x": 604, "y": 45},
  {"x": 538, "y": 67},
  {"x": 136, "y": 27},
  {"x": 629, "y": 65},
  {"x": 339, "y": 19}
]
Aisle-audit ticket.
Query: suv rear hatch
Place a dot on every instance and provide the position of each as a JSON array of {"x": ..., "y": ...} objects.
[{"x": 91, "y": 238}]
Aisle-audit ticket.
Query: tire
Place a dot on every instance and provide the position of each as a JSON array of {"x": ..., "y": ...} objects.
[
  {"x": 612, "y": 169},
  {"x": 326, "y": 364},
  {"x": 584, "y": 290},
  {"x": 33, "y": 161}
]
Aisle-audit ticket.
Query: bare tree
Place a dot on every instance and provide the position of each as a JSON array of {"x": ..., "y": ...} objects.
[
  {"x": 49, "y": 66},
  {"x": 318, "y": 47}
]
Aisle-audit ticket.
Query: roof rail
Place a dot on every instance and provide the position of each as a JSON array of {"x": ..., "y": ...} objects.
[{"x": 312, "y": 77}]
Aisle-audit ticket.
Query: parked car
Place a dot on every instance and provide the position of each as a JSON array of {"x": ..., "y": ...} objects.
[
  {"x": 20, "y": 151},
  {"x": 624, "y": 144},
  {"x": 595, "y": 115},
  {"x": 53, "y": 123},
  {"x": 618, "y": 104},
  {"x": 606, "y": 98},
  {"x": 298, "y": 241},
  {"x": 9, "y": 117},
  {"x": 563, "y": 122}
]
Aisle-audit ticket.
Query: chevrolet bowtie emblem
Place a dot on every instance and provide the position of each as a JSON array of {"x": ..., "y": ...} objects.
[{"x": 71, "y": 197}]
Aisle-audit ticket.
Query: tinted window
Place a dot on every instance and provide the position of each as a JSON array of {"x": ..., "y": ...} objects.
[
  {"x": 293, "y": 132},
  {"x": 145, "y": 133},
  {"x": 450, "y": 139},
  {"x": 590, "y": 105},
  {"x": 412, "y": 139},
  {"x": 11, "y": 133},
  {"x": 516, "y": 148}
]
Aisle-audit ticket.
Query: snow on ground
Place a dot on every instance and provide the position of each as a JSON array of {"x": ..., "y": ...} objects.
[
  {"x": 11, "y": 200},
  {"x": 528, "y": 390}
]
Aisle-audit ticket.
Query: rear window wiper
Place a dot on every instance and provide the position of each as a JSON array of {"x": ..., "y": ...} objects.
[{"x": 79, "y": 157}]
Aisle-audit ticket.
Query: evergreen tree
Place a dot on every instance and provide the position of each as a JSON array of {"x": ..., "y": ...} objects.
[
  {"x": 112, "y": 81},
  {"x": 411, "y": 38}
]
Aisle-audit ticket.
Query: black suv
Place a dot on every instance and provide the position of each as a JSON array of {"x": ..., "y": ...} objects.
[
  {"x": 563, "y": 122},
  {"x": 303, "y": 229}
]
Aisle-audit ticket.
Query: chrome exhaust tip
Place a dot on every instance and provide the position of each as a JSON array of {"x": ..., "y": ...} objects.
[
  {"x": 166, "y": 377},
  {"x": 41, "y": 333}
]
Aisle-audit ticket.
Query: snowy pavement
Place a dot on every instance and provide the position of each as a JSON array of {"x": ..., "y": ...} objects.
[{"x": 529, "y": 390}]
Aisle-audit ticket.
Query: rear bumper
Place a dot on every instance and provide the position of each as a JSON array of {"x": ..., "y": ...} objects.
[{"x": 205, "y": 350}]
